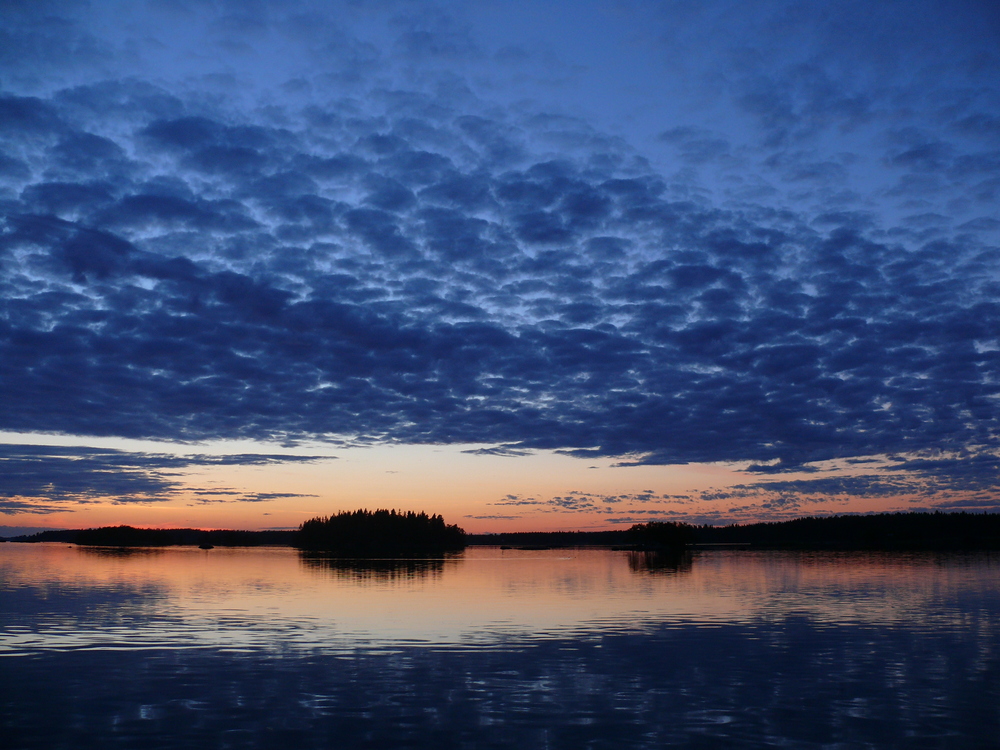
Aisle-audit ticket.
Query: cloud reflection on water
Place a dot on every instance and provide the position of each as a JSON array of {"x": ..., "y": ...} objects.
[
  {"x": 727, "y": 686},
  {"x": 498, "y": 648}
]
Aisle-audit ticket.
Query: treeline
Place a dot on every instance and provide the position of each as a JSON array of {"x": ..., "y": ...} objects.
[
  {"x": 549, "y": 538},
  {"x": 936, "y": 530},
  {"x": 361, "y": 533},
  {"x": 390, "y": 532},
  {"x": 652, "y": 535},
  {"x": 368, "y": 533},
  {"x": 128, "y": 536},
  {"x": 876, "y": 531}
]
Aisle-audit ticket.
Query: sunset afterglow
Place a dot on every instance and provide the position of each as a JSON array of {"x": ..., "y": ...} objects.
[{"x": 530, "y": 266}]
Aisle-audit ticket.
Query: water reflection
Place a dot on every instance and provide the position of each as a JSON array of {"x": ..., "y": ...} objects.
[
  {"x": 660, "y": 561},
  {"x": 120, "y": 551},
  {"x": 267, "y": 648},
  {"x": 374, "y": 569}
]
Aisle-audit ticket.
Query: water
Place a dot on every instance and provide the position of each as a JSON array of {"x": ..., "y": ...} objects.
[{"x": 265, "y": 648}]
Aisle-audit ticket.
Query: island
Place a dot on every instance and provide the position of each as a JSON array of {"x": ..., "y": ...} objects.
[
  {"x": 393, "y": 533},
  {"x": 365, "y": 533}
]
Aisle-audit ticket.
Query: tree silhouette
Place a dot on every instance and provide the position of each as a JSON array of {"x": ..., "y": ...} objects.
[
  {"x": 661, "y": 534},
  {"x": 380, "y": 532}
]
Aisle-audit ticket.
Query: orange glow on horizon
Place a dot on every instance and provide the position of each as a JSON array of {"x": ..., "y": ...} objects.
[{"x": 542, "y": 491}]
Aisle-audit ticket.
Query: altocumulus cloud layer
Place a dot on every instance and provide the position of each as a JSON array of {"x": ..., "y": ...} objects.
[{"x": 286, "y": 221}]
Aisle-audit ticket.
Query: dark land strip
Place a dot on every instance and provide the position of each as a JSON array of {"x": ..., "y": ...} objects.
[{"x": 366, "y": 533}]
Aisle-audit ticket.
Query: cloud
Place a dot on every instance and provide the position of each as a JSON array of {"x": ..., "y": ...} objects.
[
  {"x": 927, "y": 482},
  {"x": 74, "y": 475},
  {"x": 386, "y": 333},
  {"x": 646, "y": 516},
  {"x": 16, "y": 507},
  {"x": 518, "y": 500},
  {"x": 205, "y": 497},
  {"x": 991, "y": 505},
  {"x": 498, "y": 450},
  {"x": 372, "y": 249},
  {"x": 577, "y": 501}
]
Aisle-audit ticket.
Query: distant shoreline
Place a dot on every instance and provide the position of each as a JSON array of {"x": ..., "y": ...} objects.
[{"x": 883, "y": 531}]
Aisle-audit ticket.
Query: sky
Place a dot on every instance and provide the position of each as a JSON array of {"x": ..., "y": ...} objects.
[{"x": 529, "y": 265}]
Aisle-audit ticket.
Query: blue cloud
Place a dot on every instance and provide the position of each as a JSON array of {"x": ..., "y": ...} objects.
[
  {"x": 48, "y": 479},
  {"x": 374, "y": 234}
]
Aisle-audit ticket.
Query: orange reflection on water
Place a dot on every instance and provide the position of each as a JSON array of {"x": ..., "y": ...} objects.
[{"x": 252, "y": 597}]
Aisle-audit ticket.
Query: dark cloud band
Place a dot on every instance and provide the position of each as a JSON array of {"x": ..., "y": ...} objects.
[{"x": 48, "y": 479}]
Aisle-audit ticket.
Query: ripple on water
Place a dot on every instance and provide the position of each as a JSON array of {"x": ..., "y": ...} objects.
[{"x": 569, "y": 650}]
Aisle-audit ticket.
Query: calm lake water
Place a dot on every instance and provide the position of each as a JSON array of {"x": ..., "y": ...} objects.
[{"x": 248, "y": 648}]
